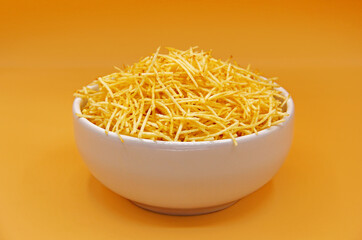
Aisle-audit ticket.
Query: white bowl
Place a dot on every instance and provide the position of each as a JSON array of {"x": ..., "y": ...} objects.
[{"x": 183, "y": 178}]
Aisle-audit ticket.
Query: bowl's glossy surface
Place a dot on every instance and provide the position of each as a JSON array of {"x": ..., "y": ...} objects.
[{"x": 183, "y": 178}]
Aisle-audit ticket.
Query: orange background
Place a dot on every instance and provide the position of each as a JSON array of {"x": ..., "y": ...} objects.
[{"x": 48, "y": 49}]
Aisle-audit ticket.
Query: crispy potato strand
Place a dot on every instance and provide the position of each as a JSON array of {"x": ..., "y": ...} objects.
[{"x": 183, "y": 96}]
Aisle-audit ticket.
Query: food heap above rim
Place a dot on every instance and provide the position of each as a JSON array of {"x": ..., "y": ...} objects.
[{"x": 184, "y": 96}]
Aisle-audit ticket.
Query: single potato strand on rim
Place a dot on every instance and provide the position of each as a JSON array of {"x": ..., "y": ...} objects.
[{"x": 183, "y": 96}]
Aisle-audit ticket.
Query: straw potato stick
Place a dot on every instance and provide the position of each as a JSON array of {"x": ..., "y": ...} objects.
[{"x": 183, "y": 96}]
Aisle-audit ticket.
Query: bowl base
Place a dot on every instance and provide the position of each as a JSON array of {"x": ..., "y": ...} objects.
[{"x": 184, "y": 211}]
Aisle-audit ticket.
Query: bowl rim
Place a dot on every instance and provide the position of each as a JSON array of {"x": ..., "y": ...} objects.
[{"x": 129, "y": 139}]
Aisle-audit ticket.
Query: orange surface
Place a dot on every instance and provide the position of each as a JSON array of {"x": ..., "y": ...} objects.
[{"x": 48, "y": 49}]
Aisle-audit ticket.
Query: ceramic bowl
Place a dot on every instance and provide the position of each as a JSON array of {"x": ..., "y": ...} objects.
[{"x": 183, "y": 178}]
